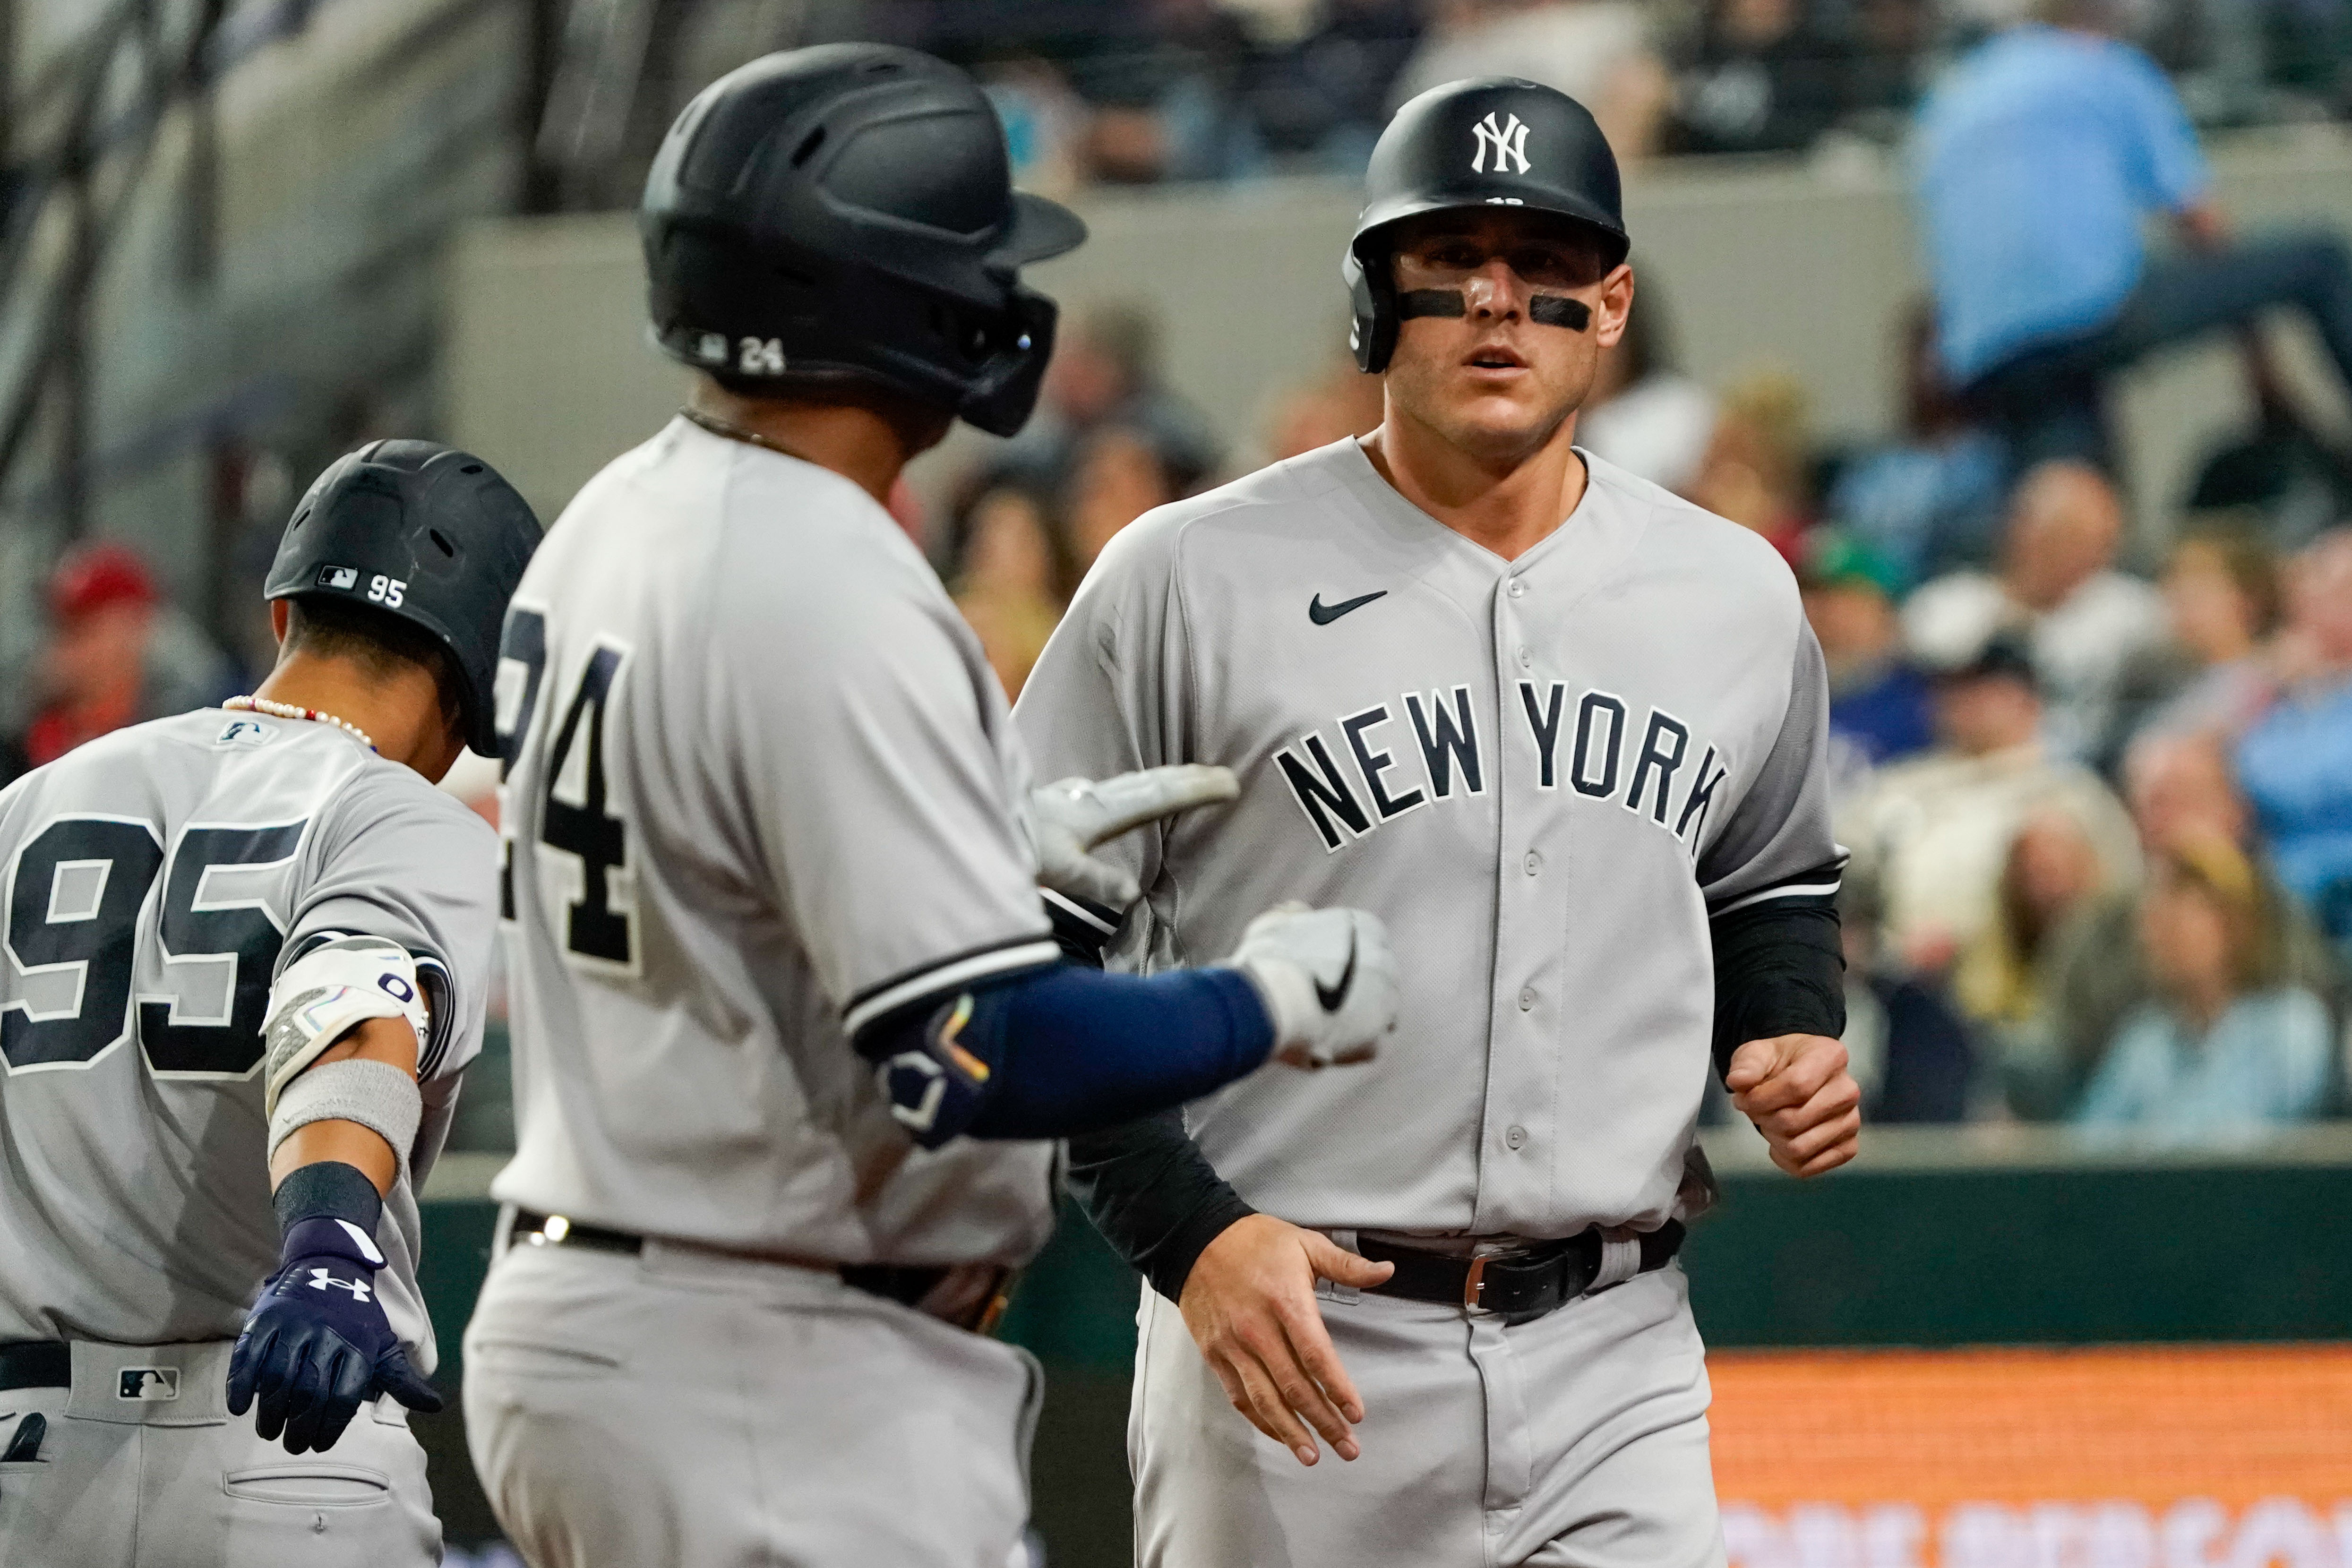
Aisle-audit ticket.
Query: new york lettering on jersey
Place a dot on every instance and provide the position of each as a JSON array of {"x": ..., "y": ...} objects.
[
  {"x": 1440, "y": 760},
  {"x": 1545, "y": 774}
]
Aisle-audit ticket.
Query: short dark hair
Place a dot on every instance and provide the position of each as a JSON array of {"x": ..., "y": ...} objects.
[{"x": 378, "y": 641}]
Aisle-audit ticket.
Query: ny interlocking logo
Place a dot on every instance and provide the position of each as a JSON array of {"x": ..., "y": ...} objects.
[
  {"x": 1508, "y": 143},
  {"x": 324, "y": 1278}
]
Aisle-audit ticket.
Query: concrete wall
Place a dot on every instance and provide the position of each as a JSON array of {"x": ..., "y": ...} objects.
[{"x": 1806, "y": 267}]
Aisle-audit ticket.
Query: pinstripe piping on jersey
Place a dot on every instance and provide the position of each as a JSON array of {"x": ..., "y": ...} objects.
[
  {"x": 956, "y": 969},
  {"x": 1080, "y": 911},
  {"x": 1816, "y": 887}
]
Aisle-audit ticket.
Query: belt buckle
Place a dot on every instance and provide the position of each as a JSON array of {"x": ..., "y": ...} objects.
[{"x": 1474, "y": 1283}]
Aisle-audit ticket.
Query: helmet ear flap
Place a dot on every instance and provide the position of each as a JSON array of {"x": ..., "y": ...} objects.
[{"x": 1371, "y": 299}]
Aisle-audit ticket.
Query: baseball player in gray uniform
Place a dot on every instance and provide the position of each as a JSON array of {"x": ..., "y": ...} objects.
[
  {"x": 1565, "y": 732},
  {"x": 792, "y": 1030},
  {"x": 246, "y": 949}
]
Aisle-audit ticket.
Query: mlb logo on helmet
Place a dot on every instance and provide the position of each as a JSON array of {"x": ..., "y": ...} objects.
[
  {"x": 338, "y": 577},
  {"x": 148, "y": 1382}
]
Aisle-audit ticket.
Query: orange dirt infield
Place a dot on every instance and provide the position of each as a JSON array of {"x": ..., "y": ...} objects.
[{"x": 2151, "y": 1423}]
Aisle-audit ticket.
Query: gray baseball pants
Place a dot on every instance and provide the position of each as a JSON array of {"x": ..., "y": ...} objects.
[
  {"x": 1578, "y": 1438},
  {"x": 677, "y": 1406},
  {"x": 143, "y": 1467}
]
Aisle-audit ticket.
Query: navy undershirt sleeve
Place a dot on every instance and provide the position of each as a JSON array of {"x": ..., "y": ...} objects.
[
  {"x": 1066, "y": 1050},
  {"x": 1145, "y": 1184},
  {"x": 1779, "y": 968}
]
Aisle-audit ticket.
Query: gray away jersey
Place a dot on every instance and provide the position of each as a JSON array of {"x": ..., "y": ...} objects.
[
  {"x": 762, "y": 791},
  {"x": 152, "y": 886},
  {"x": 1545, "y": 774}
]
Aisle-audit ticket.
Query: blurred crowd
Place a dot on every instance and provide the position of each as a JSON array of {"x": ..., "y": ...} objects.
[
  {"x": 1135, "y": 91},
  {"x": 2099, "y": 798},
  {"x": 2096, "y": 780},
  {"x": 2097, "y": 785}
]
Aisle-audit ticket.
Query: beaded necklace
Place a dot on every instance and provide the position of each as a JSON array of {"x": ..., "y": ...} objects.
[{"x": 287, "y": 710}]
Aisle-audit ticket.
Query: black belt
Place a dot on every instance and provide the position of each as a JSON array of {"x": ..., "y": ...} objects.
[
  {"x": 906, "y": 1284},
  {"x": 1517, "y": 1286},
  {"x": 36, "y": 1363}
]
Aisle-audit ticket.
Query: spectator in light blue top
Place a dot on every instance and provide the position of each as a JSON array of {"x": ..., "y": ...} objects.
[
  {"x": 2040, "y": 155},
  {"x": 2296, "y": 762},
  {"x": 2231, "y": 1049}
]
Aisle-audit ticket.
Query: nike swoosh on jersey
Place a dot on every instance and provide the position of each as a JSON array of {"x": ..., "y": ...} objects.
[
  {"x": 1332, "y": 996},
  {"x": 1323, "y": 614}
]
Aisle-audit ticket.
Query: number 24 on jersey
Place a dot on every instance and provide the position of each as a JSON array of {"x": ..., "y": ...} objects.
[{"x": 569, "y": 810}]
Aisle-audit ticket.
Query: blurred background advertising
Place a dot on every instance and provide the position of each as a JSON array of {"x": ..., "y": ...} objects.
[{"x": 2021, "y": 327}]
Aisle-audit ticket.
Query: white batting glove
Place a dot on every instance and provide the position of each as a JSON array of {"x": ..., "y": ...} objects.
[
  {"x": 1071, "y": 816},
  {"x": 1329, "y": 980}
]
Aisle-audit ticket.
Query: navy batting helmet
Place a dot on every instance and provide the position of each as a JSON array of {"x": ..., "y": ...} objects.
[
  {"x": 424, "y": 532},
  {"x": 847, "y": 211},
  {"x": 1486, "y": 142}
]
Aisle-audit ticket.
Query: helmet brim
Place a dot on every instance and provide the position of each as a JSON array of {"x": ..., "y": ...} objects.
[
  {"x": 1376, "y": 222},
  {"x": 1040, "y": 230}
]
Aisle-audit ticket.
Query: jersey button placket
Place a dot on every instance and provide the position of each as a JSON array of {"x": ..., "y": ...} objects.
[{"x": 1513, "y": 1187}]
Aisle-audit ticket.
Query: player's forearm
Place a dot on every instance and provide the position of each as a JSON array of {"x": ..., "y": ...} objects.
[
  {"x": 1086, "y": 1049},
  {"x": 1064, "y": 1051},
  {"x": 1154, "y": 1195},
  {"x": 1779, "y": 970},
  {"x": 387, "y": 1040}
]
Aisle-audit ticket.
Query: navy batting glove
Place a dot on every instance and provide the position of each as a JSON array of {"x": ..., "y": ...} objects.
[{"x": 316, "y": 1344}]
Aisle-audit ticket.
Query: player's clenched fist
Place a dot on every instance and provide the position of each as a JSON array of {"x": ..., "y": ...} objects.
[
  {"x": 1796, "y": 1089},
  {"x": 1329, "y": 980}
]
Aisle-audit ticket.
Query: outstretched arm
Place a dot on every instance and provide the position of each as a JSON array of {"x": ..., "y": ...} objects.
[
  {"x": 1048, "y": 1052},
  {"x": 342, "y": 1037}
]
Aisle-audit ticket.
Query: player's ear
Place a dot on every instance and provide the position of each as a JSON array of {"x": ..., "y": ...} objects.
[
  {"x": 280, "y": 615},
  {"x": 1616, "y": 305}
]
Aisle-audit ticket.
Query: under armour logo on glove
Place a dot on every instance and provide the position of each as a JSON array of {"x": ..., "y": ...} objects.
[
  {"x": 324, "y": 1278},
  {"x": 318, "y": 1346}
]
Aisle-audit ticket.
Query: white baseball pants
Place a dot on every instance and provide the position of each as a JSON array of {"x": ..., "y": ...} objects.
[
  {"x": 1578, "y": 1438},
  {"x": 143, "y": 1467},
  {"x": 678, "y": 1407}
]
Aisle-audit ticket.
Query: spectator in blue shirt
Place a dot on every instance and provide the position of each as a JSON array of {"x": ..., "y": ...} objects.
[
  {"x": 1880, "y": 704},
  {"x": 2230, "y": 1046},
  {"x": 2296, "y": 763},
  {"x": 2040, "y": 155}
]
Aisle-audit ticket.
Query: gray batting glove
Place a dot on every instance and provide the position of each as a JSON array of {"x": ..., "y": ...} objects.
[
  {"x": 1070, "y": 816},
  {"x": 1328, "y": 978}
]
